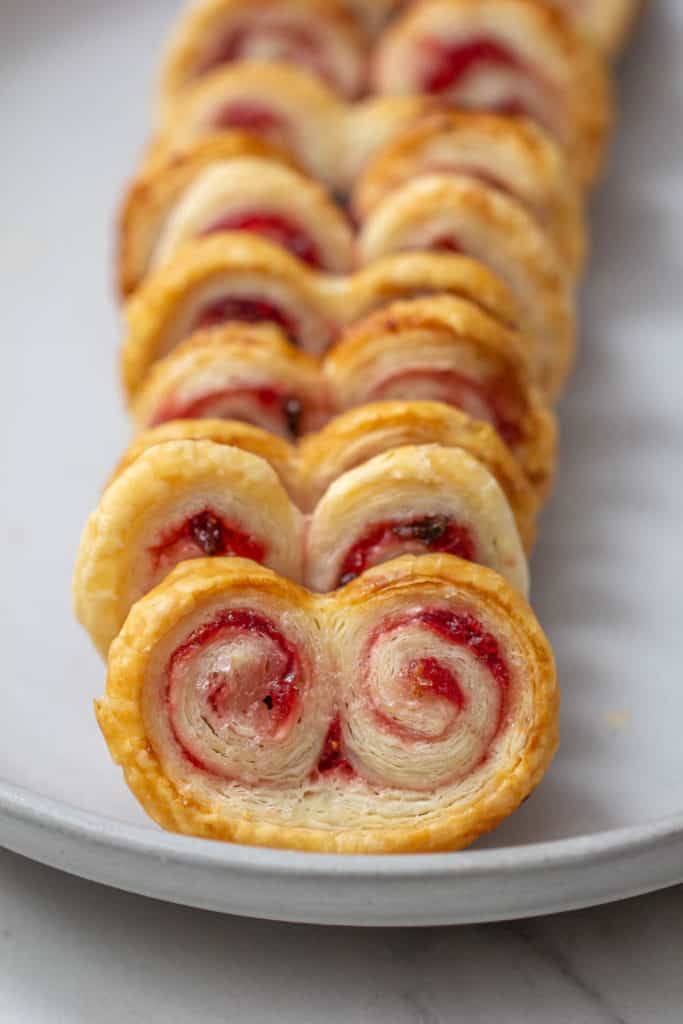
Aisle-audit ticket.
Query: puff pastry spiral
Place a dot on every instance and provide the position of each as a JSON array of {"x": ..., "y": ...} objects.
[
  {"x": 187, "y": 499},
  {"x": 412, "y": 710}
]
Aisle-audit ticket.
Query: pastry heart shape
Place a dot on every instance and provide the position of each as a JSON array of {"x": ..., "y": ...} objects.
[
  {"x": 236, "y": 180},
  {"x": 187, "y": 499},
  {"x": 318, "y": 230},
  {"x": 308, "y": 468},
  {"x": 238, "y": 277},
  {"x": 509, "y": 56},
  {"x": 440, "y": 349},
  {"x": 509, "y": 155},
  {"x": 413, "y": 710}
]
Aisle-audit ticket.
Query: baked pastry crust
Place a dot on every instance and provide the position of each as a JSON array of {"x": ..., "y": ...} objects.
[
  {"x": 445, "y": 349},
  {"x": 328, "y": 138},
  {"x": 373, "y": 14},
  {"x": 439, "y": 499},
  {"x": 134, "y": 536},
  {"x": 319, "y": 35},
  {"x": 186, "y": 499},
  {"x": 159, "y": 188},
  {"x": 510, "y": 154},
  {"x": 440, "y": 348},
  {"x": 271, "y": 285},
  {"x": 280, "y": 104},
  {"x": 608, "y": 23},
  {"x": 447, "y": 210},
  {"x": 537, "y": 61},
  {"x": 285, "y": 801},
  {"x": 247, "y": 372},
  {"x": 352, "y": 438},
  {"x": 254, "y": 275},
  {"x": 278, "y": 453},
  {"x": 405, "y": 275}
]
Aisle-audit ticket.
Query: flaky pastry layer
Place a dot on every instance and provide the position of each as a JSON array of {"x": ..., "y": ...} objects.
[{"x": 302, "y": 790}]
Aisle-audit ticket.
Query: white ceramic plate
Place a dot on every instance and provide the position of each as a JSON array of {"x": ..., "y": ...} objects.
[{"x": 75, "y": 82}]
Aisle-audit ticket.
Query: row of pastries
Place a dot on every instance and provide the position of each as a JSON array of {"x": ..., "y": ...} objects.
[{"x": 348, "y": 265}]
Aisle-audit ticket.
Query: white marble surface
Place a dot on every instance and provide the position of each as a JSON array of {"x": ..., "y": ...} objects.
[{"x": 72, "y": 952}]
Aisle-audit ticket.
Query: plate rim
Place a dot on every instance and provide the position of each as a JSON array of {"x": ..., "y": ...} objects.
[{"x": 63, "y": 836}]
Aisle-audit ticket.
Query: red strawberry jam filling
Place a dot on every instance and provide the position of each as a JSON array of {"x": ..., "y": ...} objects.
[
  {"x": 490, "y": 402},
  {"x": 260, "y": 406},
  {"x": 251, "y": 117},
  {"x": 467, "y": 631},
  {"x": 204, "y": 535},
  {"x": 391, "y": 539},
  {"x": 447, "y": 66},
  {"x": 447, "y": 243},
  {"x": 428, "y": 676},
  {"x": 295, "y": 44},
  {"x": 247, "y": 310},
  {"x": 332, "y": 756},
  {"x": 259, "y": 693},
  {"x": 278, "y": 229}
]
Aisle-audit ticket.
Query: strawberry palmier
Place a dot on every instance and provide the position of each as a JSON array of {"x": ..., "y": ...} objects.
[
  {"x": 232, "y": 181},
  {"x": 412, "y": 710},
  {"x": 351, "y": 439},
  {"x": 239, "y": 277},
  {"x": 318, "y": 35},
  {"x": 187, "y": 499},
  {"x": 441, "y": 349},
  {"x": 508, "y": 56},
  {"x": 329, "y": 138},
  {"x": 509, "y": 154}
]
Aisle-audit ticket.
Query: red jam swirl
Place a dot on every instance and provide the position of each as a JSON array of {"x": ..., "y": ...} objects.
[
  {"x": 245, "y": 310},
  {"x": 279, "y": 230},
  {"x": 386, "y": 540},
  {"x": 447, "y": 243},
  {"x": 251, "y": 117},
  {"x": 430, "y": 675},
  {"x": 294, "y": 44},
  {"x": 332, "y": 756},
  {"x": 447, "y": 66},
  {"x": 280, "y": 692},
  {"x": 455, "y": 388},
  {"x": 467, "y": 631},
  {"x": 217, "y": 404},
  {"x": 204, "y": 535}
]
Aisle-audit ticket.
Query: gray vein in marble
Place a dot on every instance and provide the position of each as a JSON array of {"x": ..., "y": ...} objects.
[
  {"x": 422, "y": 1012},
  {"x": 540, "y": 945}
]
